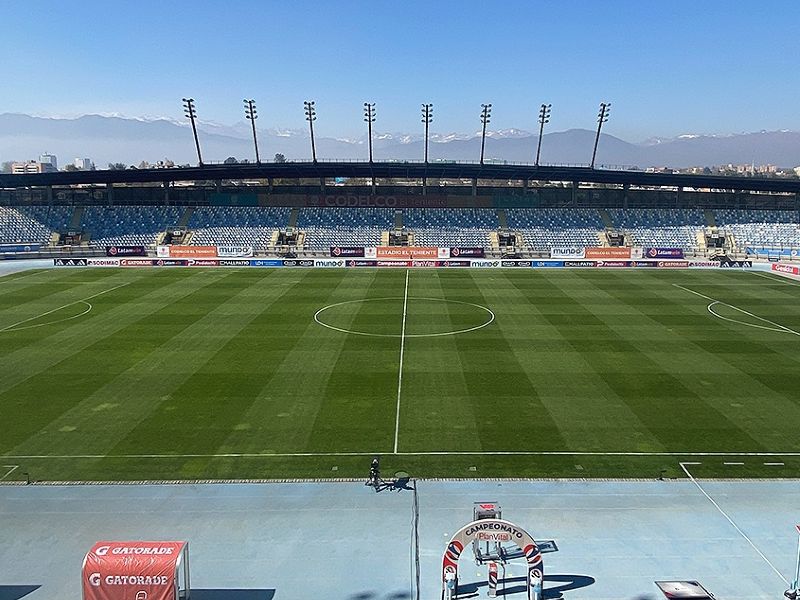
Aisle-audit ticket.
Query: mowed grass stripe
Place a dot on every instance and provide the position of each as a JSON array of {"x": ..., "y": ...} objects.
[
  {"x": 356, "y": 403},
  {"x": 49, "y": 378},
  {"x": 586, "y": 411},
  {"x": 177, "y": 350},
  {"x": 297, "y": 362},
  {"x": 437, "y": 412}
]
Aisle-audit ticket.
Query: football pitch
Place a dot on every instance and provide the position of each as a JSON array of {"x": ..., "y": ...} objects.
[{"x": 176, "y": 374}]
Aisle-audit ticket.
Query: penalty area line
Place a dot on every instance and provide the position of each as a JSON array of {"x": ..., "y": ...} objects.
[
  {"x": 731, "y": 521},
  {"x": 11, "y": 469}
]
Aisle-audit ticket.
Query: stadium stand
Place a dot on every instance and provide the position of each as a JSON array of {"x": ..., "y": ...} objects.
[
  {"x": 236, "y": 225},
  {"x": 760, "y": 230},
  {"x": 35, "y": 224},
  {"x": 467, "y": 227},
  {"x": 658, "y": 227},
  {"x": 326, "y": 227},
  {"x": 134, "y": 225},
  {"x": 543, "y": 228}
]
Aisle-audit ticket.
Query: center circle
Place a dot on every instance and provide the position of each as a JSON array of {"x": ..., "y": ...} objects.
[{"x": 319, "y": 317}]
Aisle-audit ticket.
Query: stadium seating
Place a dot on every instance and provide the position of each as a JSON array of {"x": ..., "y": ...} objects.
[
  {"x": 128, "y": 225},
  {"x": 35, "y": 224},
  {"x": 446, "y": 227},
  {"x": 326, "y": 227},
  {"x": 760, "y": 230},
  {"x": 236, "y": 225},
  {"x": 658, "y": 227},
  {"x": 543, "y": 228}
]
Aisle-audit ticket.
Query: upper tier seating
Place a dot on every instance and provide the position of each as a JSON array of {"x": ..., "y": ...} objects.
[
  {"x": 543, "y": 228},
  {"x": 760, "y": 229},
  {"x": 658, "y": 227},
  {"x": 451, "y": 227},
  {"x": 326, "y": 227},
  {"x": 128, "y": 225},
  {"x": 34, "y": 224},
  {"x": 237, "y": 225}
]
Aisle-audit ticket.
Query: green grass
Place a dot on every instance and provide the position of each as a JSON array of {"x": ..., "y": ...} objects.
[{"x": 176, "y": 368}]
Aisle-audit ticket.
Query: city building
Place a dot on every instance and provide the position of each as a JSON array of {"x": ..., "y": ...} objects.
[
  {"x": 30, "y": 166},
  {"x": 83, "y": 164},
  {"x": 49, "y": 163}
]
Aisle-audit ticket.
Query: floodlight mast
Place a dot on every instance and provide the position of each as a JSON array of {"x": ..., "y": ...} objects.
[
  {"x": 602, "y": 117},
  {"x": 427, "y": 118},
  {"x": 190, "y": 112},
  {"x": 311, "y": 116},
  {"x": 369, "y": 117},
  {"x": 486, "y": 114},
  {"x": 544, "y": 117},
  {"x": 251, "y": 114}
]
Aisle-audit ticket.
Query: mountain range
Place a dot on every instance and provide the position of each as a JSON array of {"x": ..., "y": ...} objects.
[{"x": 112, "y": 139}]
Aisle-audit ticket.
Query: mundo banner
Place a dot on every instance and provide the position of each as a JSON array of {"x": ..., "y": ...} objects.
[
  {"x": 234, "y": 251},
  {"x": 567, "y": 252}
]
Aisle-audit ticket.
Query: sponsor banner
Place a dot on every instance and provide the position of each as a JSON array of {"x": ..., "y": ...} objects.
[
  {"x": 736, "y": 264},
  {"x": 406, "y": 252},
  {"x": 69, "y": 262},
  {"x": 424, "y": 263},
  {"x": 346, "y": 251},
  {"x": 515, "y": 263},
  {"x": 360, "y": 263},
  {"x": 170, "y": 262},
  {"x": 643, "y": 263},
  {"x": 234, "y": 251},
  {"x": 611, "y": 253},
  {"x": 140, "y": 570},
  {"x": 132, "y": 262},
  {"x": 329, "y": 263},
  {"x": 126, "y": 251},
  {"x": 547, "y": 264},
  {"x": 788, "y": 269},
  {"x": 394, "y": 263},
  {"x": 266, "y": 262},
  {"x": 673, "y": 264},
  {"x": 612, "y": 263},
  {"x": 704, "y": 264},
  {"x": 578, "y": 263},
  {"x": 203, "y": 262},
  {"x": 484, "y": 264},
  {"x": 186, "y": 251},
  {"x": 16, "y": 248},
  {"x": 663, "y": 253},
  {"x": 234, "y": 262},
  {"x": 454, "y": 263},
  {"x": 462, "y": 252},
  {"x": 297, "y": 262},
  {"x": 569, "y": 252},
  {"x": 102, "y": 262}
]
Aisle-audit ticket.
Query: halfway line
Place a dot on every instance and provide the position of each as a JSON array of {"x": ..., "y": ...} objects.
[{"x": 400, "y": 372}]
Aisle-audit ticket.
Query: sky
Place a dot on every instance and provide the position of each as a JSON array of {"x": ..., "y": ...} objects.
[{"x": 668, "y": 67}]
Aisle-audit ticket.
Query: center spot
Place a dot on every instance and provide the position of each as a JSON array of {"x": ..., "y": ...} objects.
[{"x": 425, "y": 317}]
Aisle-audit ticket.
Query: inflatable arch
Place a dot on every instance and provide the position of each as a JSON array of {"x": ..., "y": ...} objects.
[{"x": 492, "y": 530}]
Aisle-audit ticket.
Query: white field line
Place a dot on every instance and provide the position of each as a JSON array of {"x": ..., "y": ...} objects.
[
  {"x": 11, "y": 468},
  {"x": 777, "y": 278},
  {"x": 400, "y": 371},
  {"x": 741, "y": 310},
  {"x": 731, "y": 521},
  {"x": 44, "y": 314},
  {"x": 373, "y": 453}
]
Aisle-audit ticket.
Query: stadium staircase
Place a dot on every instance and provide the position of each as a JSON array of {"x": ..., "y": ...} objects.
[
  {"x": 711, "y": 221},
  {"x": 292, "y": 223},
  {"x": 607, "y": 222},
  {"x": 183, "y": 223},
  {"x": 77, "y": 216},
  {"x": 502, "y": 218}
]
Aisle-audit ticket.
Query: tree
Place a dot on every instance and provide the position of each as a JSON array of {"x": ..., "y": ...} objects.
[
  {"x": 280, "y": 158},
  {"x": 230, "y": 161},
  {"x": 117, "y": 166},
  {"x": 6, "y": 167}
]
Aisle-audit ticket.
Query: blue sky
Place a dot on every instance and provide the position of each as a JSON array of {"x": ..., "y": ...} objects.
[{"x": 668, "y": 67}]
